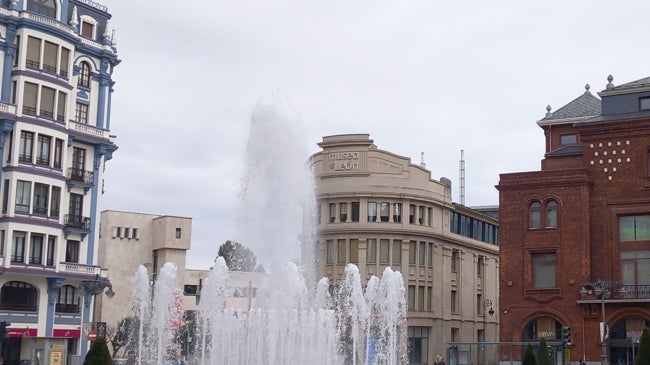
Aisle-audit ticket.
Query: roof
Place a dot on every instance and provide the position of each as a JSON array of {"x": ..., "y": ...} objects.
[
  {"x": 585, "y": 105},
  {"x": 566, "y": 150},
  {"x": 632, "y": 85}
]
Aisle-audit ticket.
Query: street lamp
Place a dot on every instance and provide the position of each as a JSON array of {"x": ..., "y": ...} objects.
[{"x": 603, "y": 289}]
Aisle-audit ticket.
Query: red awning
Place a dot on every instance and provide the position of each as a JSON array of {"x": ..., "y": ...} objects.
[
  {"x": 20, "y": 332},
  {"x": 66, "y": 333}
]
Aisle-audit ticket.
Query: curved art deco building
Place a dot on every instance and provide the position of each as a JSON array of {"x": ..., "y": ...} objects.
[
  {"x": 377, "y": 209},
  {"x": 57, "y": 58}
]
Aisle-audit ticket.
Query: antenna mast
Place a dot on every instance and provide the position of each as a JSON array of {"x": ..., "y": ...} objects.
[{"x": 462, "y": 178}]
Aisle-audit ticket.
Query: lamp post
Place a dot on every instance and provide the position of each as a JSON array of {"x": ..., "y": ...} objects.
[{"x": 602, "y": 289}]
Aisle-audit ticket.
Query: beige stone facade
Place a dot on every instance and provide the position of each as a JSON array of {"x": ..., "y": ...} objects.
[{"x": 377, "y": 209}]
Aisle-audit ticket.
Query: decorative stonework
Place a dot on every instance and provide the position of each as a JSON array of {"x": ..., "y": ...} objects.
[{"x": 603, "y": 149}]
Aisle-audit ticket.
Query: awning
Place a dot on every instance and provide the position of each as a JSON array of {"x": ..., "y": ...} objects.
[
  {"x": 67, "y": 333},
  {"x": 20, "y": 332}
]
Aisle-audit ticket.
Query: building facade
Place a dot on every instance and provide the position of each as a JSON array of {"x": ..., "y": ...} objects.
[
  {"x": 55, "y": 99},
  {"x": 575, "y": 236},
  {"x": 377, "y": 209}
]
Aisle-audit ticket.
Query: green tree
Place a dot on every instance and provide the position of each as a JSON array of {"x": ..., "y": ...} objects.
[
  {"x": 529, "y": 356},
  {"x": 543, "y": 357},
  {"x": 98, "y": 353},
  {"x": 237, "y": 256},
  {"x": 186, "y": 334},
  {"x": 643, "y": 357}
]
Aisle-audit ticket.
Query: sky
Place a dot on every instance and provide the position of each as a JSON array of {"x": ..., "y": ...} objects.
[{"x": 431, "y": 77}]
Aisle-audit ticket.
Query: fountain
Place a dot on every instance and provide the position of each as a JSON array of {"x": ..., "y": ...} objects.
[{"x": 295, "y": 319}]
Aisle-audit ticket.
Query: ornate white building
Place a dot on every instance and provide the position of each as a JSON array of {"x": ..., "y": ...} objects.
[
  {"x": 57, "y": 59},
  {"x": 377, "y": 209}
]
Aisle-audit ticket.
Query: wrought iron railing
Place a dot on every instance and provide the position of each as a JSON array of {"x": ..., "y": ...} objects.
[
  {"x": 76, "y": 221},
  {"x": 80, "y": 175},
  {"x": 636, "y": 292}
]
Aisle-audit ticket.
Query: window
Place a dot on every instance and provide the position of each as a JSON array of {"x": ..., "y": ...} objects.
[
  {"x": 51, "y": 250},
  {"x": 568, "y": 139},
  {"x": 551, "y": 214},
  {"x": 5, "y": 197},
  {"x": 420, "y": 298},
  {"x": 397, "y": 252},
  {"x": 354, "y": 251},
  {"x": 82, "y": 113},
  {"x": 412, "y": 249},
  {"x": 190, "y": 289},
  {"x": 26, "y": 147},
  {"x": 60, "y": 106},
  {"x": 479, "y": 304},
  {"x": 422, "y": 253},
  {"x": 127, "y": 232},
  {"x": 41, "y": 199},
  {"x": 397, "y": 212},
  {"x": 343, "y": 212},
  {"x": 18, "y": 295},
  {"x": 543, "y": 270},
  {"x": 33, "y": 54},
  {"x": 411, "y": 214},
  {"x": 430, "y": 254},
  {"x": 429, "y": 217},
  {"x": 355, "y": 211},
  {"x": 384, "y": 251},
  {"x": 371, "y": 250},
  {"x": 43, "y": 146},
  {"x": 372, "y": 212},
  {"x": 23, "y": 194},
  {"x": 418, "y": 345},
  {"x": 134, "y": 233},
  {"x": 535, "y": 215},
  {"x": 453, "y": 302},
  {"x": 58, "y": 153},
  {"x": 330, "y": 251},
  {"x": 644, "y": 103},
  {"x": 75, "y": 209},
  {"x": 50, "y": 51},
  {"x": 455, "y": 260},
  {"x": 340, "y": 251},
  {"x": 65, "y": 62},
  {"x": 635, "y": 269},
  {"x": 18, "y": 247},
  {"x": 118, "y": 232},
  {"x": 84, "y": 75},
  {"x": 384, "y": 212},
  {"x": 634, "y": 227},
  {"x": 55, "y": 202},
  {"x": 428, "y": 298},
  {"x": 72, "y": 251},
  {"x": 47, "y": 102},
  {"x": 87, "y": 29},
  {"x": 10, "y": 142},
  {"x": 36, "y": 250},
  {"x": 67, "y": 301},
  {"x": 420, "y": 215},
  {"x": 42, "y": 7},
  {"x": 332, "y": 212},
  {"x": 480, "y": 263},
  {"x": 411, "y": 298},
  {"x": 178, "y": 233}
]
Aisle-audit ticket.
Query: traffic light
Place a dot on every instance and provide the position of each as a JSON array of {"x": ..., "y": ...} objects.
[
  {"x": 566, "y": 336},
  {"x": 3, "y": 329}
]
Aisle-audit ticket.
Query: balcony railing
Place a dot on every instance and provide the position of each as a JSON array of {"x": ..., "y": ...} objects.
[
  {"x": 636, "y": 292},
  {"x": 76, "y": 221},
  {"x": 79, "y": 175},
  {"x": 89, "y": 129},
  {"x": 70, "y": 267}
]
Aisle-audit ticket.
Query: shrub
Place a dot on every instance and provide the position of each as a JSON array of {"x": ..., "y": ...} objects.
[{"x": 98, "y": 353}]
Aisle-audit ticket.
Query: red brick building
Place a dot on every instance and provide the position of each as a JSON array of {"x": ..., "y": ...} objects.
[{"x": 575, "y": 236}]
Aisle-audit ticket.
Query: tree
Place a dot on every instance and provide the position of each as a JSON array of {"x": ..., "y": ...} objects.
[
  {"x": 186, "y": 334},
  {"x": 124, "y": 334},
  {"x": 237, "y": 256},
  {"x": 529, "y": 356},
  {"x": 543, "y": 357},
  {"x": 643, "y": 357},
  {"x": 98, "y": 353}
]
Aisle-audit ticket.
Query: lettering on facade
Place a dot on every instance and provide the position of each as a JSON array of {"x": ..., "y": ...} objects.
[
  {"x": 344, "y": 161},
  {"x": 546, "y": 335}
]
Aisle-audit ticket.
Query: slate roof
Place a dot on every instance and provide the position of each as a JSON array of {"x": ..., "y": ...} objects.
[
  {"x": 585, "y": 105},
  {"x": 566, "y": 150},
  {"x": 632, "y": 84}
]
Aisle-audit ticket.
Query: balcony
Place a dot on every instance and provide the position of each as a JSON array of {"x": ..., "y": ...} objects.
[
  {"x": 76, "y": 224},
  {"x": 636, "y": 292},
  {"x": 74, "y": 268},
  {"x": 81, "y": 178}
]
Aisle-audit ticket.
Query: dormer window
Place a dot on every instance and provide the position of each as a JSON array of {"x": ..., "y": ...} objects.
[
  {"x": 644, "y": 103},
  {"x": 87, "y": 29},
  {"x": 42, "y": 7},
  {"x": 568, "y": 139}
]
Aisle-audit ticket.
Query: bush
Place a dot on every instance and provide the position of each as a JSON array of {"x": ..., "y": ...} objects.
[
  {"x": 543, "y": 358},
  {"x": 643, "y": 357},
  {"x": 98, "y": 353},
  {"x": 529, "y": 356}
]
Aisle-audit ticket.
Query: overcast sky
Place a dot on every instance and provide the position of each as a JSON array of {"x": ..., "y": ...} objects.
[{"x": 425, "y": 76}]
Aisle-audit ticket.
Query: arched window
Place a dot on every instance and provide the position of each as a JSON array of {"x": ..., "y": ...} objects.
[
  {"x": 18, "y": 295},
  {"x": 42, "y": 7},
  {"x": 535, "y": 215},
  {"x": 67, "y": 300},
  {"x": 84, "y": 75},
  {"x": 542, "y": 327},
  {"x": 551, "y": 214}
]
